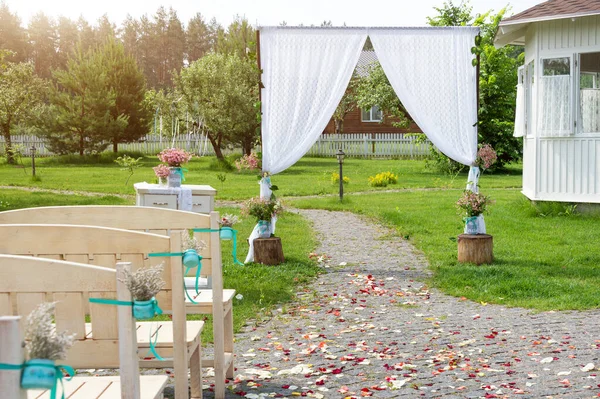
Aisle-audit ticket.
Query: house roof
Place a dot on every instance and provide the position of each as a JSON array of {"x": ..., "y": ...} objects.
[
  {"x": 512, "y": 30},
  {"x": 367, "y": 57},
  {"x": 555, "y": 9}
]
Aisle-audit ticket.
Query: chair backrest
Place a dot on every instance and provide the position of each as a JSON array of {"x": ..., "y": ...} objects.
[
  {"x": 137, "y": 218},
  {"x": 27, "y": 281},
  {"x": 99, "y": 246}
]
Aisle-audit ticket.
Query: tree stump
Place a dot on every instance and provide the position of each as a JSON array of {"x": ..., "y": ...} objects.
[
  {"x": 475, "y": 248},
  {"x": 268, "y": 251}
]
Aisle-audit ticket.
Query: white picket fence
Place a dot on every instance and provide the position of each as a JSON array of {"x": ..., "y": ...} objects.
[{"x": 363, "y": 145}]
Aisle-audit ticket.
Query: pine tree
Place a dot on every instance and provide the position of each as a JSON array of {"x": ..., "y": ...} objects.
[
  {"x": 12, "y": 36},
  {"x": 42, "y": 41}
]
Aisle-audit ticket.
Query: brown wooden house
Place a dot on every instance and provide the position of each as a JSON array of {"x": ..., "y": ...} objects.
[{"x": 368, "y": 121}]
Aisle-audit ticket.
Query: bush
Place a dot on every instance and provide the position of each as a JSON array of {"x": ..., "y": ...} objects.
[
  {"x": 335, "y": 178},
  {"x": 220, "y": 165},
  {"x": 383, "y": 179},
  {"x": 248, "y": 162}
]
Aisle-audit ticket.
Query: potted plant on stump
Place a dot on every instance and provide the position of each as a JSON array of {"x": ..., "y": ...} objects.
[
  {"x": 474, "y": 246},
  {"x": 45, "y": 346},
  {"x": 264, "y": 246}
]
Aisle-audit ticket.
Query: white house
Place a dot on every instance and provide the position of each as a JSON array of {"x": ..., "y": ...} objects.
[{"x": 558, "y": 98}]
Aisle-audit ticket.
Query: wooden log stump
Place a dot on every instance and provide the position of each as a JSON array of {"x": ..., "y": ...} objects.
[
  {"x": 475, "y": 248},
  {"x": 268, "y": 251}
]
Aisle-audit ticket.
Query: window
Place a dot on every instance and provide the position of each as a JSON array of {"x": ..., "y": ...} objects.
[
  {"x": 555, "y": 97},
  {"x": 589, "y": 93},
  {"x": 371, "y": 115}
]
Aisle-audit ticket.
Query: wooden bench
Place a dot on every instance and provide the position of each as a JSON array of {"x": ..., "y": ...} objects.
[
  {"x": 25, "y": 282},
  {"x": 216, "y": 301},
  {"x": 178, "y": 342}
]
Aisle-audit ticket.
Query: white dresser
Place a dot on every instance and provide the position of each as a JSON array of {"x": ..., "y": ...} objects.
[{"x": 188, "y": 197}]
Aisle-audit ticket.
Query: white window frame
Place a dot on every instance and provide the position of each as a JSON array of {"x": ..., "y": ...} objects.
[
  {"x": 574, "y": 75},
  {"x": 577, "y": 96},
  {"x": 371, "y": 119}
]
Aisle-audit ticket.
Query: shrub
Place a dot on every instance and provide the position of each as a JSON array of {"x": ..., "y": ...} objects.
[
  {"x": 383, "y": 179},
  {"x": 335, "y": 178},
  {"x": 248, "y": 162}
]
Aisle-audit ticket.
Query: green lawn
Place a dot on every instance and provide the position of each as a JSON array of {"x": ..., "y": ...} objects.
[
  {"x": 310, "y": 176},
  {"x": 541, "y": 262}
]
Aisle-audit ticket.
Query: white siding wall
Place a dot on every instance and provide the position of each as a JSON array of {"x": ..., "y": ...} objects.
[
  {"x": 562, "y": 168},
  {"x": 569, "y": 169},
  {"x": 566, "y": 34}
]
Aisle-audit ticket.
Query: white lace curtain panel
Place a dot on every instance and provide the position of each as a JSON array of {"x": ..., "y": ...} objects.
[
  {"x": 555, "y": 100},
  {"x": 431, "y": 71}
]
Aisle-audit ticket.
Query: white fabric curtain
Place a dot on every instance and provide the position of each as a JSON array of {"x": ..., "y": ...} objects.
[
  {"x": 555, "y": 104},
  {"x": 431, "y": 72},
  {"x": 305, "y": 74}
]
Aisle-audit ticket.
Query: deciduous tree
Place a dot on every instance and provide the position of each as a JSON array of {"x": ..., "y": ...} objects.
[{"x": 21, "y": 91}]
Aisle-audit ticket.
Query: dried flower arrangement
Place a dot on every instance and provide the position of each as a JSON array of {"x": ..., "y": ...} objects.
[
  {"x": 174, "y": 157},
  {"x": 161, "y": 171},
  {"x": 42, "y": 339},
  {"x": 144, "y": 283},
  {"x": 262, "y": 209},
  {"x": 473, "y": 204},
  {"x": 228, "y": 220},
  {"x": 189, "y": 242}
]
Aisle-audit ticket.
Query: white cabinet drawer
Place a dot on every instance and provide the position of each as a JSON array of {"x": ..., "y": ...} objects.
[
  {"x": 201, "y": 203},
  {"x": 160, "y": 201}
]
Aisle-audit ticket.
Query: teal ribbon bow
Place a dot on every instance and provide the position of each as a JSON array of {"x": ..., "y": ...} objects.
[
  {"x": 179, "y": 171},
  {"x": 234, "y": 250},
  {"x": 157, "y": 310},
  {"x": 187, "y": 270},
  {"x": 58, "y": 376}
]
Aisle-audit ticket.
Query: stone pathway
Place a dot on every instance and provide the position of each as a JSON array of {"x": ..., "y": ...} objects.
[{"x": 370, "y": 327}]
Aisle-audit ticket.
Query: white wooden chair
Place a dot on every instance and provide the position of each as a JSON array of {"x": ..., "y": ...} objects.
[
  {"x": 178, "y": 342},
  {"x": 216, "y": 301},
  {"x": 26, "y": 281}
]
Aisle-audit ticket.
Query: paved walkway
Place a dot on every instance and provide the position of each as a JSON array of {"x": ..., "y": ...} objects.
[{"x": 369, "y": 327}]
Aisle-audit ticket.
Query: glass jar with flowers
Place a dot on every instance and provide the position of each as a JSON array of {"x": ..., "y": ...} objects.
[
  {"x": 474, "y": 204},
  {"x": 45, "y": 346},
  {"x": 175, "y": 157},
  {"x": 162, "y": 173},
  {"x": 226, "y": 223},
  {"x": 263, "y": 210}
]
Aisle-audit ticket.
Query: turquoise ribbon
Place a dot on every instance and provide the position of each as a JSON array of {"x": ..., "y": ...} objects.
[
  {"x": 157, "y": 310},
  {"x": 165, "y": 254},
  {"x": 234, "y": 250},
  {"x": 179, "y": 170},
  {"x": 58, "y": 376}
]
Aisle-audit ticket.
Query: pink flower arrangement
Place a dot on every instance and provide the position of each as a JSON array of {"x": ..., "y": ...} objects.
[
  {"x": 250, "y": 162},
  {"x": 486, "y": 156},
  {"x": 473, "y": 204},
  {"x": 161, "y": 170},
  {"x": 174, "y": 157}
]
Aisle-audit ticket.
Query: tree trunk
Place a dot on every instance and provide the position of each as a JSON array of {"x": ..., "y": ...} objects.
[
  {"x": 8, "y": 148},
  {"x": 81, "y": 142},
  {"x": 115, "y": 146},
  {"x": 216, "y": 147},
  {"x": 338, "y": 126}
]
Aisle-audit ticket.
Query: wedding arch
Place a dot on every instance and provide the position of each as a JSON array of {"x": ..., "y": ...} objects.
[{"x": 305, "y": 72}]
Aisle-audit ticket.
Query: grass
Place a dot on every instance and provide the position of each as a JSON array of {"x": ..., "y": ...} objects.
[
  {"x": 310, "y": 176},
  {"x": 545, "y": 255},
  {"x": 545, "y": 259}
]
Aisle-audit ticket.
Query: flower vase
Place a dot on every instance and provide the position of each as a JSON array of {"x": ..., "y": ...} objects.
[
  {"x": 471, "y": 225},
  {"x": 38, "y": 374},
  {"x": 163, "y": 181},
  {"x": 143, "y": 310},
  {"x": 226, "y": 233},
  {"x": 190, "y": 258},
  {"x": 264, "y": 229},
  {"x": 174, "y": 179}
]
